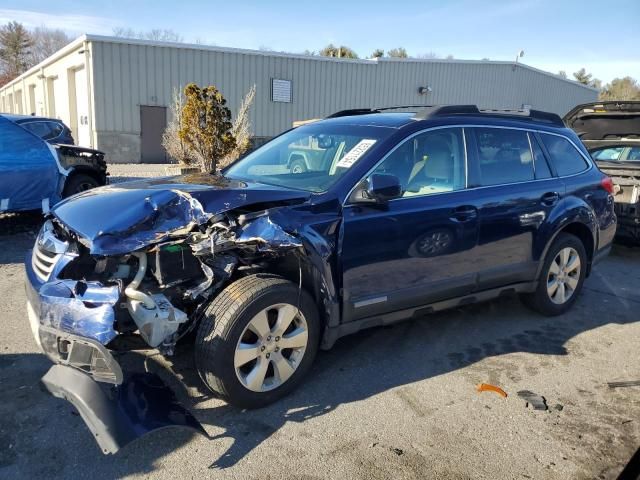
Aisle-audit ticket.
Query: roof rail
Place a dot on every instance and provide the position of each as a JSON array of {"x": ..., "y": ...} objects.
[
  {"x": 446, "y": 110},
  {"x": 365, "y": 111},
  {"x": 353, "y": 111}
]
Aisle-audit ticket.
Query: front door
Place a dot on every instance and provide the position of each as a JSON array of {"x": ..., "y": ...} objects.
[
  {"x": 417, "y": 249},
  {"x": 153, "y": 121}
]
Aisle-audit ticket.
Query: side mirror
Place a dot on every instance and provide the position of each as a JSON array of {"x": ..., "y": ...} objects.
[{"x": 382, "y": 188}]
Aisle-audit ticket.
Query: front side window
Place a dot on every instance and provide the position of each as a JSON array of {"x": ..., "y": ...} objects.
[
  {"x": 565, "y": 157},
  {"x": 504, "y": 156},
  {"x": 431, "y": 162},
  {"x": 310, "y": 158}
]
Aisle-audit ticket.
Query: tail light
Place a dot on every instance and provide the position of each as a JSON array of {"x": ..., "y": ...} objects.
[{"x": 608, "y": 185}]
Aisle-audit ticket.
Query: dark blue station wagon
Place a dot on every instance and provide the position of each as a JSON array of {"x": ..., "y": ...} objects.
[{"x": 393, "y": 216}]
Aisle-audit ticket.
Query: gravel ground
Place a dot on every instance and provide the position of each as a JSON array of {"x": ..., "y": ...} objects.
[
  {"x": 395, "y": 402},
  {"x": 122, "y": 172}
]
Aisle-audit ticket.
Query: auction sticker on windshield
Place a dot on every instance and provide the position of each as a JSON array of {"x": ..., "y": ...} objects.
[{"x": 355, "y": 153}]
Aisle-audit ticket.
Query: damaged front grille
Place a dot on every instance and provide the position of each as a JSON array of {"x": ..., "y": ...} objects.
[
  {"x": 43, "y": 262},
  {"x": 46, "y": 252}
]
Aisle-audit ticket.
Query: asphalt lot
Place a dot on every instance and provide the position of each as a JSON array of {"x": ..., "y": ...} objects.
[{"x": 395, "y": 402}]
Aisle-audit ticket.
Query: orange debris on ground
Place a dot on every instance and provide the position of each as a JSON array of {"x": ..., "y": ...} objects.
[{"x": 487, "y": 387}]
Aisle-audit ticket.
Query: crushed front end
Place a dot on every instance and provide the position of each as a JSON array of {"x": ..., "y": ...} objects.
[
  {"x": 75, "y": 322},
  {"x": 94, "y": 299}
]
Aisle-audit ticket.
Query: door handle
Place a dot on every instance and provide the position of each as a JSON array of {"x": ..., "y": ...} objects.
[
  {"x": 550, "y": 198},
  {"x": 464, "y": 213}
]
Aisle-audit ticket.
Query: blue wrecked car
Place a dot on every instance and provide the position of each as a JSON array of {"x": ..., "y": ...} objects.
[
  {"x": 256, "y": 268},
  {"x": 35, "y": 175}
]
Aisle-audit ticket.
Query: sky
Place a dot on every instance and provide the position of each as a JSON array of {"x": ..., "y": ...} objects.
[{"x": 554, "y": 34}]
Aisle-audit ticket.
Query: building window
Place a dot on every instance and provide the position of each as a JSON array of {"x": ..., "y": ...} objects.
[{"x": 280, "y": 90}]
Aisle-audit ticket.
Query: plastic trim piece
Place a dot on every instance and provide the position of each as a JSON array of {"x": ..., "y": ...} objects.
[{"x": 121, "y": 414}]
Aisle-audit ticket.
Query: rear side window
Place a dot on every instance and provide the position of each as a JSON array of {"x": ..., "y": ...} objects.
[
  {"x": 565, "y": 157},
  {"x": 504, "y": 156}
]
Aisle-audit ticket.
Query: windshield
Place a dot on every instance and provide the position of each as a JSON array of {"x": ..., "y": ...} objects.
[{"x": 310, "y": 158}]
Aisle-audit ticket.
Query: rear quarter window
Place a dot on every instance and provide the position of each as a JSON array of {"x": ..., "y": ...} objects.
[{"x": 566, "y": 158}]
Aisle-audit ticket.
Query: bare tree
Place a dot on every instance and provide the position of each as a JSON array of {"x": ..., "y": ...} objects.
[
  {"x": 155, "y": 34},
  {"x": 241, "y": 129},
  {"x": 171, "y": 141},
  {"x": 46, "y": 42},
  {"x": 428, "y": 55}
]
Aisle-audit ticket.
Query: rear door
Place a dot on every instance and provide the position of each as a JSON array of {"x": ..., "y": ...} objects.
[
  {"x": 515, "y": 193},
  {"x": 417, "y": 249}
]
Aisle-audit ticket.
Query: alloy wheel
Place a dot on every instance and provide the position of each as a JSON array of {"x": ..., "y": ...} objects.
[
  {"x": 564, "y": 275},
  {"x": 271, "y": 347}
]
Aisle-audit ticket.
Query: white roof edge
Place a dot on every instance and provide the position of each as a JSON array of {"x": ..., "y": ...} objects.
[
  {"x": 60, "y": 53},
  {"x": 246, "y": 51},
  {"x": 490, "y": 62},
  {"x": 194, "y": 46}
]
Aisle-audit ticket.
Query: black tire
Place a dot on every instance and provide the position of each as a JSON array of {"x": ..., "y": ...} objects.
[
  {"x": 79, "y": 183},
  {"x": 224, "y": 322},
  {"x": 298, "y": 166},
  {"x": 540, "y": 300}
]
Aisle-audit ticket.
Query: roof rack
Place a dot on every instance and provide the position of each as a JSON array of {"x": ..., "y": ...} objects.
[
  {"x": 365, "y": 111},
  {"x": 446, "y": 110}
]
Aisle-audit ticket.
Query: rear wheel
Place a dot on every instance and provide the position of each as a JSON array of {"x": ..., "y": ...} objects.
[
  {"x": 79, "y": 183},
  {"x": 561, "y": 278},
  {"x": 257, "y": 340}
]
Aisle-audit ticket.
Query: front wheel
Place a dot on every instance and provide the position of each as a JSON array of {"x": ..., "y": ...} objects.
[
  {"x": 298, "y": 166},
  {"x": 257, "y": 340},
  {"x": 79, "y": 183},
  {"x": 561, "y": 278}
]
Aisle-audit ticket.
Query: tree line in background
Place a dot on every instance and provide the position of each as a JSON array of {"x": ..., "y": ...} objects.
[{"x": 21, "y": 49}]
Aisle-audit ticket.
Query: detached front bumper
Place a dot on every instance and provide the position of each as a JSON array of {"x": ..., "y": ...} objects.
[
  {"x": 120, "y": 414},
  {"x": 72, "y": 322}
]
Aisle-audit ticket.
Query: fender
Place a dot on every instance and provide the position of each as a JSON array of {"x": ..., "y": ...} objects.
[
  {"x": 319, "y": 233},
  {"x": 568, "y": 211}
]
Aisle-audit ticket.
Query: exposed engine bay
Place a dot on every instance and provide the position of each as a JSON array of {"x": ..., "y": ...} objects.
[{"x": 163, "y": 288}]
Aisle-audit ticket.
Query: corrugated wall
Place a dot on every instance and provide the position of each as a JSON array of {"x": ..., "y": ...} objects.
[{"x": 129, "y": 75}]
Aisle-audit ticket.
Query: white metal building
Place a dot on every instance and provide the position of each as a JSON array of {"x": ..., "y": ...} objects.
[{"x": 114, "y": 92}]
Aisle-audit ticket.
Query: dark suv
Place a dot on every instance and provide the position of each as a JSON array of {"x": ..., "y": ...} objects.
[
  {"x": 404, "y": 214},
  {"x": 52, "y": 130}
]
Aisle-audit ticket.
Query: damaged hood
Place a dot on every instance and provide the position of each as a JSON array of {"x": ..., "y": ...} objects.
[
  {"x": 605, "y": 123},
  {"x": 122, "y": 218}
]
